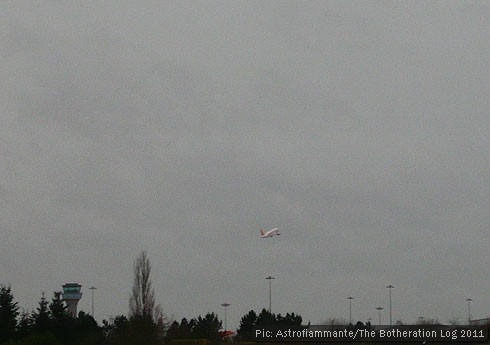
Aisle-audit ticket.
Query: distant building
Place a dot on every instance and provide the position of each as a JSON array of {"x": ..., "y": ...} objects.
[
  {"x": 480, "y": 322},
  {"x": 71, "y": 296}
]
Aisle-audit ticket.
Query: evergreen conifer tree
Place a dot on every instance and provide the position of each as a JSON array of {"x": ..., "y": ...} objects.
[
  {"x": 42, "y": 315},
  {"x": 8, "y": 314}
]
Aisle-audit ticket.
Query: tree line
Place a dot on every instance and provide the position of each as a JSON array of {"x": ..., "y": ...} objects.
[
  {"x": 48, "y": 324},
  {"x": 51, "y": 324}
]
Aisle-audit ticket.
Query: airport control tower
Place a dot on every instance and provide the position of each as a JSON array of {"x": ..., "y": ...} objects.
[{"x": 71, "y": 295}]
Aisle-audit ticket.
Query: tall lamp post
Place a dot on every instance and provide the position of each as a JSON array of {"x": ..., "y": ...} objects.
[
  {"x": 469, "y": 300},
  {"x": 350, "y": 298},
  {"x": 225, "y": 305},
  {"x": 93, "y": 288},
  {"x": 269, "y": 278},
  {"x": 390, "y": 287},
  {"x": 379, "y": 314}
]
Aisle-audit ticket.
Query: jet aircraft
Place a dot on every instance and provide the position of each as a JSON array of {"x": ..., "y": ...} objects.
[{"x": 270, "y": 233}]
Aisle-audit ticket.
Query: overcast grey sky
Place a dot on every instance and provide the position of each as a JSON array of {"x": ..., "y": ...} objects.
[{"x": 360, "y": 129}]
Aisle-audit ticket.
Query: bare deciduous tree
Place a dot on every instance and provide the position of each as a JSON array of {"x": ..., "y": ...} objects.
[{"x": 142, "y": 301}]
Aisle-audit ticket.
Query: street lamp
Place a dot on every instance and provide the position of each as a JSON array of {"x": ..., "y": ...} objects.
[
  {"x": 390, "y": 287},
  {"x": 93, "y": 289},
  {"x": 350, "y": 298},
  {"x": 469, "y": 300},
  {"x": 379, "y": 314},
  {"x": 269, "y": 278},
  {"x": 225, "y": 305}
]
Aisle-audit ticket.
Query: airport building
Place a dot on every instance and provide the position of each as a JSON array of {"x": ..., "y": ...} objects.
[{"x": 71, "y": 295}]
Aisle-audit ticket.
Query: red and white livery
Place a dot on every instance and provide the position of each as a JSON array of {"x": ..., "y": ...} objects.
[{"x": 270, "y": 233}]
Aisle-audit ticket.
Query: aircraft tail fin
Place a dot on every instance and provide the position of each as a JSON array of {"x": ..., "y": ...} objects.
[{"x": 262, "y": 232}]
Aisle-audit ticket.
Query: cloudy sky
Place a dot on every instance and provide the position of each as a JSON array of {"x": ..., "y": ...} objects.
[{"x": 360, "y": 129}]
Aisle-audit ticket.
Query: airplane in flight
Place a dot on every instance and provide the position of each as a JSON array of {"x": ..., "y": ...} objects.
[{"x": 269, "y": 233}]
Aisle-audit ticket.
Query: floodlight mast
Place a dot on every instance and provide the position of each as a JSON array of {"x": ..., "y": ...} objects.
[
  {"x": 93, "y": 288},
  {"x": 390, "y": 287},
  {"x": 225, "y": 305},
  {"x": 269, "y": 278},
  {"x": 350, "y": 298},
  {"x": 379, "y": 314}
]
